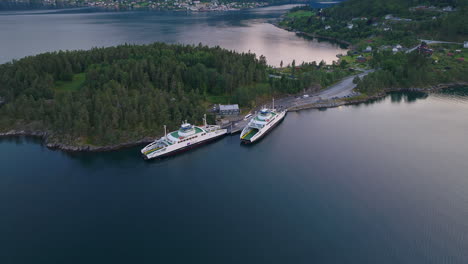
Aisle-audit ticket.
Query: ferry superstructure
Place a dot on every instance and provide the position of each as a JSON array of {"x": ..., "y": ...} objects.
[
  {"x": 261, "y": 124},
  {"x": 187, "y": 137}
]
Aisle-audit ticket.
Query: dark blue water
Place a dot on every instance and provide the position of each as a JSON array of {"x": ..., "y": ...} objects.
[
  {"x": 384, "y": 182},
  {"x": 26, "y": 33}
]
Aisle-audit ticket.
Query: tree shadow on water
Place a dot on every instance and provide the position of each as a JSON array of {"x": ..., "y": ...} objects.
[{"x": 406, "y": 97}]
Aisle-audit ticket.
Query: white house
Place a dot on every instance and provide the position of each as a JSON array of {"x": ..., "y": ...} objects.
[
  {"x": 327, "y": 27},
  {"x": 465, "y": 45},
  {"x": 448, "y": 9},
  {"x": 350, "y": 26},
  {"x": 368, "y": 49}
]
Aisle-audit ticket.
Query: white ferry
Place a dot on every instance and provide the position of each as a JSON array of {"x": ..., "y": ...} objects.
[
  {"x": 187, "y": 137},
  {"x": 261, "y": 124}
]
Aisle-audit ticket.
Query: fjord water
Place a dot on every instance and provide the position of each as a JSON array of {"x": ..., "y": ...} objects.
[
  {"x": 384, "y": 182},
  {"x": 31, "y": 32}
]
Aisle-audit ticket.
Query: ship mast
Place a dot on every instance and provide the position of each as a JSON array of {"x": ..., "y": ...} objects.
[
  {"x": 204, "y": 120},
  {"x": 165, "y": 131},
  {"x": 273, "y": 104}
]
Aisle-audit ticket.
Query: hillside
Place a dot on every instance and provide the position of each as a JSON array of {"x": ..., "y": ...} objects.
[
  {"x": 385, "y": 34},
  {"x": 385, "y": 21}
]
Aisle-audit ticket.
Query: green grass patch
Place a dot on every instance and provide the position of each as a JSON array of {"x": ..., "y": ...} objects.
[
  {"x": 73, "y": 85},
  {"x": 357, "y": 97},
  {"x": 349, "y": 59}
]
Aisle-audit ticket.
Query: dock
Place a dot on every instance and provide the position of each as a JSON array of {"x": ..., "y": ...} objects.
[
  {"x": 330, "y": 97},
  {"x": 236, "y": 127}
]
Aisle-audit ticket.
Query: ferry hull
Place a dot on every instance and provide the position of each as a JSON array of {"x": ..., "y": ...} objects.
[
  {"x": 248, "y": 142},
  {"x": 187, "y": 148}
]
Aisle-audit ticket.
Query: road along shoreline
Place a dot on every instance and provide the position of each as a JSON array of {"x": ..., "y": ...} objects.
[{"x": 358, "y": 100}]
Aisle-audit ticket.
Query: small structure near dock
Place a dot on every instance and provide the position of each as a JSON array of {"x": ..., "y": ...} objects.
[{"x": 226, "y": 110}]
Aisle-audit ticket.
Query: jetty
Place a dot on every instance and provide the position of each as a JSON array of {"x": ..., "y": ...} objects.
[{"x": 327, "y": 98}]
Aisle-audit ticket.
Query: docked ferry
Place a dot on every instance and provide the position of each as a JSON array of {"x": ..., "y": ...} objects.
[
  {"x": 187, "y": 137},
  {"x": 261, "y": 124}
]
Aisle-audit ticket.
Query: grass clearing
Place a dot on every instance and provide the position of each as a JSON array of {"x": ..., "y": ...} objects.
[{"x": 77, "y": 81}]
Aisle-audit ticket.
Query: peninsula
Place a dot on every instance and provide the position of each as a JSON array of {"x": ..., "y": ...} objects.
[{"x": 107, "y": 98}]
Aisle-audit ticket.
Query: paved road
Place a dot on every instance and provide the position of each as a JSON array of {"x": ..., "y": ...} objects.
[
  {"x": 429, "y": 42},
  {"x": 341, "y": 89}
]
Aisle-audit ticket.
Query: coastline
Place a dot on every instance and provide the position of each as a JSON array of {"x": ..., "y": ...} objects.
[
  {"x": 51, "y": 144},
  {"x": 104, "y": 8},
  {"x": 351, "y": 101},
  {"x": 45, "y": 137},
  {"x": 348, "y": 44}
]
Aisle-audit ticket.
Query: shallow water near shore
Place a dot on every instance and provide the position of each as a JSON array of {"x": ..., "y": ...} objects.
[{"x": 381, "y": 182}]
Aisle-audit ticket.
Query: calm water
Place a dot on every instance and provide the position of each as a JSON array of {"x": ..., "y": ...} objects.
[
  {"x": 28, "y": 33},
  {"x": 384, "y": 182}
]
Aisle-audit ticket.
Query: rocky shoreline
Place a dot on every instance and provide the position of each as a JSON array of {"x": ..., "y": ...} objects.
[{"x": 45, "y": 136}]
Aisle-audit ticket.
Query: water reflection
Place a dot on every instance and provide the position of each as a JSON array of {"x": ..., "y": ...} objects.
[
  {"x": 322, "y": 40},
  {"x": 242, "y": 31},
  {"x": 328, "y": 176},
  {"x": 407, "y": 97},
  {"x": 21, "y": 140}
]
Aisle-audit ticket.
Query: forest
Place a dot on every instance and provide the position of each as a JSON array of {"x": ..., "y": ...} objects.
[
  {"x": 107, "y": 95},
  {"x": 118, "y": 94},
  {"x": 412, "y": 70}
]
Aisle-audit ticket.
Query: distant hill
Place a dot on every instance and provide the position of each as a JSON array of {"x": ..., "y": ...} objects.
[
  {"x": 378, "y": 8},
  {"x": 57, "y": 4}
]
